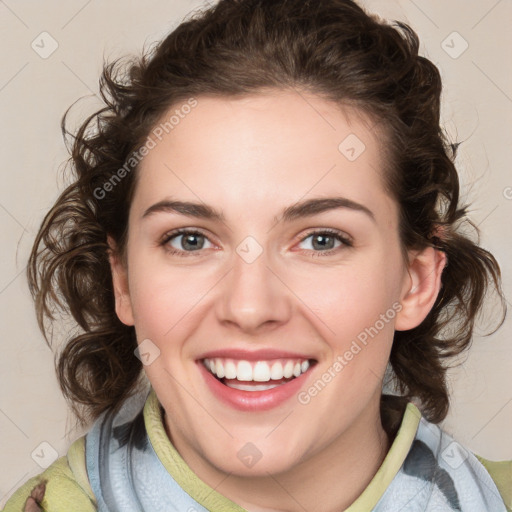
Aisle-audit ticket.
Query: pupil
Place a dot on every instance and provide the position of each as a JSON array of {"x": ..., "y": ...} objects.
[
  {"x": 322, "y": 237},
  {"x": 192, "y": 245}
]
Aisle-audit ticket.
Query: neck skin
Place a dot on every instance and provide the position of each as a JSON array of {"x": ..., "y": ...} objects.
[{"x": 333, "y": 478}]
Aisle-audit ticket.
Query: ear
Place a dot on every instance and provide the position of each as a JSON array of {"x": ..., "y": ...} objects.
[
  {"x": 120, "y": 282},
  {"x": 421, "y": 287}
]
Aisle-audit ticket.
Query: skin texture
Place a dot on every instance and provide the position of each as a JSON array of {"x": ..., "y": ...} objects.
[{"x": 251, "y": 157}]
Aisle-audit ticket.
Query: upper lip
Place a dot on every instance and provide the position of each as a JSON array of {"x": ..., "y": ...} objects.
[{"x": 265, "y": 354}]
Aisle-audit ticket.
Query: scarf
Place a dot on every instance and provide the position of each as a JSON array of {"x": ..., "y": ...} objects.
[{"x": 130, "y": 471}]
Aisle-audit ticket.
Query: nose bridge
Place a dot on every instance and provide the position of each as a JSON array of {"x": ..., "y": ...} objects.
[{"x": 253, "y": 295}]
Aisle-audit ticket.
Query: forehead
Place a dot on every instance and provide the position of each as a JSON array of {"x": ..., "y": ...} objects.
[{"x": 263, "y": 151}]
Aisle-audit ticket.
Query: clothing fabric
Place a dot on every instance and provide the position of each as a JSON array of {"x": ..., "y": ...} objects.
[{"x": 127, "y": 463}]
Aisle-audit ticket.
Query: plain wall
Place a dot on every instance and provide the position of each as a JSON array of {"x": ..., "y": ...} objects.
[{"x": 35, "y": 92}]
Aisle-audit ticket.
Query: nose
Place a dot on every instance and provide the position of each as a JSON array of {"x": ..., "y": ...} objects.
[{"x": 253, "y": 296}]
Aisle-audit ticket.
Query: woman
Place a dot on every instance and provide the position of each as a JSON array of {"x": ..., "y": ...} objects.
[{"x": 264, "y": 218}]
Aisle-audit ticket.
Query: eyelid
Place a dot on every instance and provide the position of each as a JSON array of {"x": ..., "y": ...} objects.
[{"x": 182, "y": 231}]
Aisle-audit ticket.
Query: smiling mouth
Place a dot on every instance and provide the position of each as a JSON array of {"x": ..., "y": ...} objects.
[{"x": 256, "y": 375}]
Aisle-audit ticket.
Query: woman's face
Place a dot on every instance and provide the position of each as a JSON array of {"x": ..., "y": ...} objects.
[{"x": 293, "y": 264}]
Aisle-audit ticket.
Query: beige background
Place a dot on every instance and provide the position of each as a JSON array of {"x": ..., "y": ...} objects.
[{"x": 35, "y": 91}]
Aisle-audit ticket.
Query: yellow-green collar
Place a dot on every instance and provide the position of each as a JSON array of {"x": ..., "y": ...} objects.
[{"x": 212, "y": 500}]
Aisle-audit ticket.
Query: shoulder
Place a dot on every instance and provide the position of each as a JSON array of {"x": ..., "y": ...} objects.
[
  {"x": 501, "y": 473},
  {"x": 66, "y": 486},
  {"x": 463, "y": 477}
]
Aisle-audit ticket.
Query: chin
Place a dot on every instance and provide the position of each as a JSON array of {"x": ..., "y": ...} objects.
[{"x": 251, "y": 461}]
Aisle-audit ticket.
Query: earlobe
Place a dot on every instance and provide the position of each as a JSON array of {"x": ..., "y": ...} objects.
[
  {"x": 422, "y": 287},
  {"x": 120, "y": 284}
]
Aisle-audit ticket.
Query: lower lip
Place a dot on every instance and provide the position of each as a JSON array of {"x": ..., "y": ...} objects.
[{"x": 253, "y": 400}]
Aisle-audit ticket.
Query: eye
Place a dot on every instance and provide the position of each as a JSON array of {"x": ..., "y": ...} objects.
[
  {"x": 183, "y": 241},
  {"x": 325, "y": 240}
]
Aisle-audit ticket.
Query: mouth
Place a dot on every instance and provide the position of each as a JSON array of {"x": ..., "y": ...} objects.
[{"x": 255, "y": 385}]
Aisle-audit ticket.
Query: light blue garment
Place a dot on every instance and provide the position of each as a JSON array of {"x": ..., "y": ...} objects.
[
  {"x": 126, "y": 475},
  {"x": 124, "y": 471},
  {"x": 439, "y": 475}
]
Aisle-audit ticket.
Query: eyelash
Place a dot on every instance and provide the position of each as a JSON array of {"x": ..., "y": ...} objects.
[{"x": 346, "y": 241}]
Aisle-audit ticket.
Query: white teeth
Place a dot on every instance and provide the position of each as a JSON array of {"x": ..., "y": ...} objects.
[
  {"x": 258, "y": 371},
  {"x": 261, "y": 372},
  {"x": 243, "y": 371},
  {"x": 276, "y": 373},
  {"x": 288, "y": 370},
  {"x": 230, "y": 370},
  {"x": 220, "y": 368}
]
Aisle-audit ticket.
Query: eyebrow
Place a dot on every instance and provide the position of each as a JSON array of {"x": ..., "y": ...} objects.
[{"x": 302, "y": 209}]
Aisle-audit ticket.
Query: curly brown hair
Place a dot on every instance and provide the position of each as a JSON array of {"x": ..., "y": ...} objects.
[{"x": 332, "y": 48}]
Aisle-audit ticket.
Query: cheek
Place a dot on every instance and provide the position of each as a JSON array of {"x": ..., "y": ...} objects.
[
  {"x": 350, "y": 298},
  {"x": 165, "y": 301}
]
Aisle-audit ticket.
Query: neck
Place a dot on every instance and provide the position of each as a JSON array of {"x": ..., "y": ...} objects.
[{"x": 334, "y": 477}]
